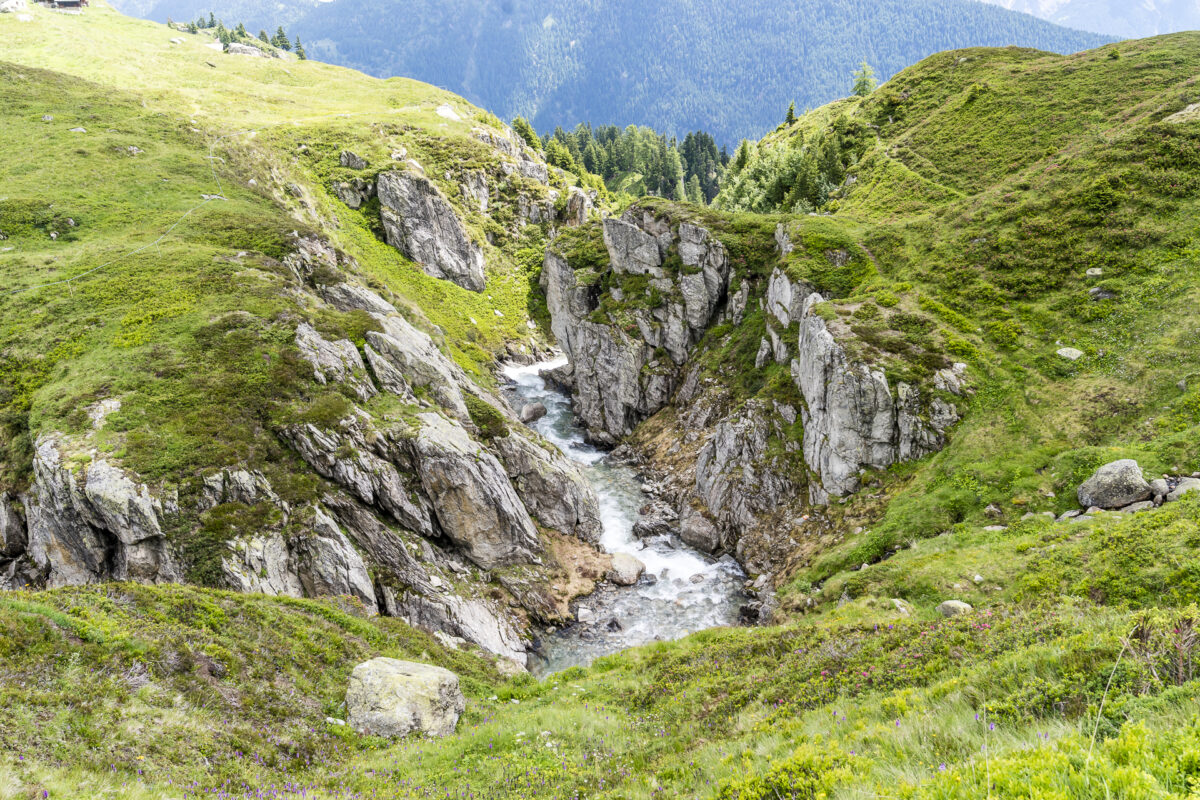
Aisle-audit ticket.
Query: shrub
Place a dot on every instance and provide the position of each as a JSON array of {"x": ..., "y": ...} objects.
[
  {"x": 490, "y": 422},
  {"x": 810, "y": 773}
]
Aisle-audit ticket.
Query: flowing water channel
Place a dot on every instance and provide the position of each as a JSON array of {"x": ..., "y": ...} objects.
[{"x": 683, "y": 590}]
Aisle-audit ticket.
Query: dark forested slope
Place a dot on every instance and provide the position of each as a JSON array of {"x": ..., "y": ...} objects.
[{"x": 680, "y": 65}]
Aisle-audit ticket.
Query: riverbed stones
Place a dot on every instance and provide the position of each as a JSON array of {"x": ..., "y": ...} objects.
[
  {"x": 1115, "y": 485},
  {"x": 1184, "y": 486},
  {"x": 696, "y": 530},
  {"x": 393, "y": 698}
]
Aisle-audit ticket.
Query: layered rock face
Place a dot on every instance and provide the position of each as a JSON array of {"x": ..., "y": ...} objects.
[
  {"x": 623, "y": 373},
  {"x": 852, "y": 419},
  {"x": 421, "y": 223},
  {"x": 94, "y": 525},
  {"x": 413, "y": 511}
]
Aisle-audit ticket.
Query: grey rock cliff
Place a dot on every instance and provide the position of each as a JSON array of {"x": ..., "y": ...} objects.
[
  {"x": 475, "y": 504},
  {"x": 421, "y": 223},
  {"x": 552, "y": 487},
  {"x": 852, "y": 420},
  {"x": 620, "y": 377},
  {"x": 97, "y": 525}
]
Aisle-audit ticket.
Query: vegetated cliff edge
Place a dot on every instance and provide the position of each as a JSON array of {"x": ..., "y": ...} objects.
[{"x": 910, "y": 311}]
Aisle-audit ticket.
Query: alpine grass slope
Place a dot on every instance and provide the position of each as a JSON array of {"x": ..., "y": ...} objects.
[{"x": 962, "y": 214}]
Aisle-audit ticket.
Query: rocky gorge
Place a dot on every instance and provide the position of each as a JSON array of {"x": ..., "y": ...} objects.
[{"x": 736, "y": 474}]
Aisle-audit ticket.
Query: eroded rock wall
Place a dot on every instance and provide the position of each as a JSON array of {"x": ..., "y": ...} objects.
[{"x": 417, "y": 509}]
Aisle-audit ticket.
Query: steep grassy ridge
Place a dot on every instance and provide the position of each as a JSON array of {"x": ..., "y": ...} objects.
[{"x": 985, "y": 185}]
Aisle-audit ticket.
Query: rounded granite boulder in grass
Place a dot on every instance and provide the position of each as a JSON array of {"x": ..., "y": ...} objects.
[
  {"x": 393, "y": 698},
  {"x": 1115, "y": 485}
]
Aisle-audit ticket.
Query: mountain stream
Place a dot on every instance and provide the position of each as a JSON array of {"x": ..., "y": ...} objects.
[{"x": 683, "y": 590}]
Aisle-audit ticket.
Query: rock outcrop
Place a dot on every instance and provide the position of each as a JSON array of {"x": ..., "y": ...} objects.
[
  {"x": 1115, "y": 485},
  {"x": 421, "y": 223},
  {"x": 475, "y": 504},
  {"x": 852, "y": 419},
  {"x": 393, "y": 698},
  {"x": 627, "y": 368},
  {"x": 519, "y": 158},
  {"x": 93, "y": 525},
  {"x": 621, "y": 377},
  {"x": 333, "y": 361},
  {"x": 551, "y": 487}
]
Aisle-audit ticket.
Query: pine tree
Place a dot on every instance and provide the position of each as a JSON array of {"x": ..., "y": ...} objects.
[
  {"x": 223, "y": 36},
  {"x": 299, "y": 48},
  {"x": 262, "y": 37},
  {"x": 694, "y": 193},
  {"x": 192, "y": 28},
  {"x": 523, "y": 129},
  {"x": 864, "y": 80},
  {"x": 280, "y": 39},
  {"x": 557, "y": 155},
  {"x": 742, "y": 158},
  {"x": 212, "y": 20},
  {"x": 241, "y": 32},
  {"x": 791, "y": 115}
]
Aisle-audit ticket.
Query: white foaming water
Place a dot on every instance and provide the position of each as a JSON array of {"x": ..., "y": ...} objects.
[{"x": 688, "y": 591}]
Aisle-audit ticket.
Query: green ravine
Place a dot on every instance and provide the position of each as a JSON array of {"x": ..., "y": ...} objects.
[{"x": 973, "y": 193}]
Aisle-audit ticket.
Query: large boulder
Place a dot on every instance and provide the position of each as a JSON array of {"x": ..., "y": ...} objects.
[
  {"x": 1115, "y": 485},
  {"x": 625, "y": 570},
  {"x": 421, "y": 223},
  {"x": 532, "y": 412},
  {"x": 698, "y": 531},
  {"x": 389, "y": 697},
  {"x": 954, "y": 608}
]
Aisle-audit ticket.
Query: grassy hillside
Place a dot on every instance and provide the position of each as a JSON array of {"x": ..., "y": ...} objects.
[
  {"x": 144, "y": 252},
  {"x": 987, "y": 183},
  {"x": 1006, "y": 204}
]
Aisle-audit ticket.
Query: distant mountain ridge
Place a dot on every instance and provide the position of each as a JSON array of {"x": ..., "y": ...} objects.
[
  {"x": 677, "y": 66},
  {"x": 1121, "y": 18}
]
